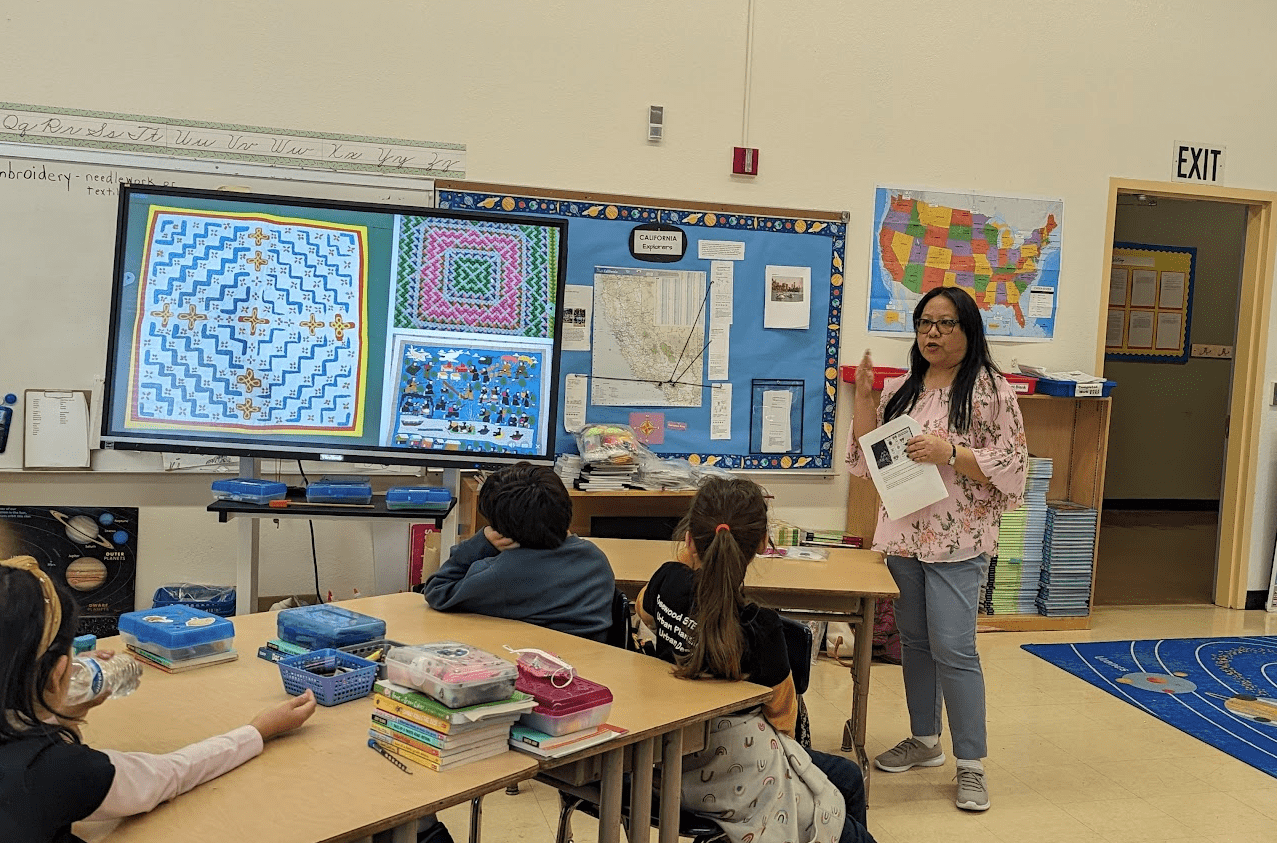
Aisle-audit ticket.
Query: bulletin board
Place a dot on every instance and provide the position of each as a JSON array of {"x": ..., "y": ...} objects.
[
  {"x": 712, "y": 330},
  {"x": 1150, "y": 305}
]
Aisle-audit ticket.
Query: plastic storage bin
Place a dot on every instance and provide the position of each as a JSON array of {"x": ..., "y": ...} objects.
[
  {"x": 1021, "y": 384},
  {"x": 581, "y": 704},
  {"x": 317, "y": 627},
  {"x": 177, "y": 633},
  {"x": 217, "y": 599},
  {"x": 334, "y": 676},
  {"x": 249, "y": 490},
  {"x": 881, "y": 374},
  {"x": 453, "y": 673},
  {"x": 1072, "y": 389},
  {"x": 339, "y": 490},
  {"x": 425, "y": 498}
]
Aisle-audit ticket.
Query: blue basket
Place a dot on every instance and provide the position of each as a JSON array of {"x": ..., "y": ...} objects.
[
  {"x": 356, "y": 683},
  {"x": 215, "y": 599}
]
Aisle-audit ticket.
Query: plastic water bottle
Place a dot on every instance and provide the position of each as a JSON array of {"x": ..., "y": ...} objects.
[{"x": 89, "y": 676}]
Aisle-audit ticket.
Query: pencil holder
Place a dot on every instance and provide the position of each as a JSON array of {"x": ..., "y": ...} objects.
[{"x": 334, "y": 676}]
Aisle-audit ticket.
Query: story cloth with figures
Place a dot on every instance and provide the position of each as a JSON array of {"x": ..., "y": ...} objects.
[
  {"x": 1004, "y": 251},
  {"x": 649, "y": 337},
  {"x": 478, "y": 276},
  {"x": 286, "y": 351}
]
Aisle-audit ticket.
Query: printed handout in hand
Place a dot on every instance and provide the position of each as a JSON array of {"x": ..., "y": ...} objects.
[{"x": 905, "y": 486}]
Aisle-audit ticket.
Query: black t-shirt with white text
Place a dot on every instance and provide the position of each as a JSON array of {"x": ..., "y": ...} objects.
[{"x": 669, "y": 599}]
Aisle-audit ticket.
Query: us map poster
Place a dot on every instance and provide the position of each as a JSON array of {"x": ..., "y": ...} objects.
[{"x": 1003, "y": 251}]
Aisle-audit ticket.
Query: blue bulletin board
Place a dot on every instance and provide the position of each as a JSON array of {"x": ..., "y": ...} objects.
[{"x": 658, "y": 302}]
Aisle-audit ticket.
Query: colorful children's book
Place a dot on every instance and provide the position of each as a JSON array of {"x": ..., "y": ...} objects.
[
  {"x": 483, "y": 731},
  {"x": 424, "y": 760},
  {"x": 382, "y": 734},
  {"x": 518, "y": 703},
  {"x": 429, "y": 721},
  {"x": 554, "y": 746}
]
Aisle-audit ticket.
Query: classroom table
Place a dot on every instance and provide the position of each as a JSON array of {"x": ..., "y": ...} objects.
[
  {"x": 322, "y": 782},
  {"x": 843, "y": 587}
]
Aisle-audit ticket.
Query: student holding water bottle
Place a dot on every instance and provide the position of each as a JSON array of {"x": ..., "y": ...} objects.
[{"x": 48, "y": 778}]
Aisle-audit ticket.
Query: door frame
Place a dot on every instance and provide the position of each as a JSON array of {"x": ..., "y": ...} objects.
[{"x": 1249, "y": 355}]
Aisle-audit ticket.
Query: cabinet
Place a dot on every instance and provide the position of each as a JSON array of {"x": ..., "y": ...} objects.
[{"x": 1073, "y": 432}]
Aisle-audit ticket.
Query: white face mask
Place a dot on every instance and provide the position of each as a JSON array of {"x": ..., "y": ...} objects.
[{"x": 544, "y": 665}]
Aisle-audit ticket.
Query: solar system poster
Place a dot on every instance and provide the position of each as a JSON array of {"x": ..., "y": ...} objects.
[{"x": 91, "y": 550}]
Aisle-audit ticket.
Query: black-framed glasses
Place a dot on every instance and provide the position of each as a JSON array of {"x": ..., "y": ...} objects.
[{"x": 945, "y": 326}]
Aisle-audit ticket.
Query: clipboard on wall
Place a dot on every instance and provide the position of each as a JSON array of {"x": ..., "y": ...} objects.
[{"x": 55, "y": 433}]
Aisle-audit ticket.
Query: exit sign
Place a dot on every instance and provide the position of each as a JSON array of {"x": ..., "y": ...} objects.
[{"x": 1197, "y": 162}]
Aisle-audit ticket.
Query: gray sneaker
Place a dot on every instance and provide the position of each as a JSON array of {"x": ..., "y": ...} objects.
[
  {"x": 972, "y": 793},
  {"x": 910, "y": 752}
]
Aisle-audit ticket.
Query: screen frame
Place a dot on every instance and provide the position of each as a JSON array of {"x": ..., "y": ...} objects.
[{"x": 117, "y": 438}]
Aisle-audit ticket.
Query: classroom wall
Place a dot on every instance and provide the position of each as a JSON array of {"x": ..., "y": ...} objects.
[
  {"x": 1166, "y": 433},
  {"x": 1031, "y": 98}
]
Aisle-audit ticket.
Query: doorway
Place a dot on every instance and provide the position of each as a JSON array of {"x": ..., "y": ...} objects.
[
  {"x": 1165, "y": 473},
  {"x": 1241, "y": 452}
]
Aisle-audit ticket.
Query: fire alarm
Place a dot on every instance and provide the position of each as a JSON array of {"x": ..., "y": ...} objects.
[{"x": 744, "y": 161}]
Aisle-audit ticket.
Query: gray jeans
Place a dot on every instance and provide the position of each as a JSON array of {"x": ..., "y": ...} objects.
[{"x": 936, "y": 615}]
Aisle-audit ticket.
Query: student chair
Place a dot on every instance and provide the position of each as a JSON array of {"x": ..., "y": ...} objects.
[{"x": 798, "y": 644}]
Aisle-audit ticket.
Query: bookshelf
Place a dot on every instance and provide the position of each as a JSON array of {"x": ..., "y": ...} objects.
[{"x": 1073, "y": 432}]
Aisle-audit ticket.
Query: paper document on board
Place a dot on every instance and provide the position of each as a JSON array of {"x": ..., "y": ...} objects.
[{"x": 905, "y": 486}]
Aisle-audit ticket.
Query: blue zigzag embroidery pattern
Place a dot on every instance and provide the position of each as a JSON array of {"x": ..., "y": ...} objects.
[{"x": 250, "y": 323}]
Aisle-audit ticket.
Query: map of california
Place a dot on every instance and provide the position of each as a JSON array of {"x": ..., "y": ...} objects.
[{"x": 924, "y": 245}]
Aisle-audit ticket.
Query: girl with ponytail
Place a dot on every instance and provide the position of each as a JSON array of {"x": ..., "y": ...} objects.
[{"x": 707, "y": 628}]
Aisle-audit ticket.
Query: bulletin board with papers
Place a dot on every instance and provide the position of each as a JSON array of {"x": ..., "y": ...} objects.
[
  {"x": 1150, "y": 303},
  {"x": 711, "y": 330}
]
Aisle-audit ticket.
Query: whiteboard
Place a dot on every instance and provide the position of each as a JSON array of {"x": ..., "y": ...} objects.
[{"x": 57, "y": 247}]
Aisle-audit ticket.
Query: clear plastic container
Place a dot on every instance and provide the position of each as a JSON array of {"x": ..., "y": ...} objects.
[
  {"x": 318, "y": 627},
  {"x": 90, "y": 676},
  {"x": 453, "y": 673},
  {"x": 581, "y": 704}
]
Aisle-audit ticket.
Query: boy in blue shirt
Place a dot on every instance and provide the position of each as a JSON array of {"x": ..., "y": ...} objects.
[{"x": 525, "y": 565}]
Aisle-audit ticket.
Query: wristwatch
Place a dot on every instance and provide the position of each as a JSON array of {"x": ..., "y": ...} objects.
[{"x": 953, "y": 458}]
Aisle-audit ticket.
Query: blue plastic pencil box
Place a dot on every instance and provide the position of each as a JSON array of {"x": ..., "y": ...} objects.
[
  {"x": 177, "y": 632},
  {"x": 339, "y": 490},
  {"x": 249, "y": 490},
  {"x": 431, "y": 498},
  {"x": 318, "y": 627}
]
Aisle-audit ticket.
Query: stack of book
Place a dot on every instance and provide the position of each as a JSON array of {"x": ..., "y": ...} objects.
[
  {"x": 537, "y": 743},
  {"x": 828, "y": 538},
  {"x": 568, "y": 467},
  {"x": 596, "y": 477},
  {"x": 1068, "y": 556},
  {"x": 1015, "y": 572},
  {"x": 416, "y": 728}
]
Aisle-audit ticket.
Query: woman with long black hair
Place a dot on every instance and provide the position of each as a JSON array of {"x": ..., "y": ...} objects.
[{"x": 973, "y": 432}]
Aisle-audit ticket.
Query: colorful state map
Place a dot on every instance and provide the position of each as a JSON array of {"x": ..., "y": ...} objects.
[
  {"x": 1005, "y": 252},
  {"x": 250, "y": 323}
]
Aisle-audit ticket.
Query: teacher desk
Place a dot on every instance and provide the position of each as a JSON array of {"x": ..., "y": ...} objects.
[
  {"x": 322, "y": 782},
  {"x": 843, "y": 587}
]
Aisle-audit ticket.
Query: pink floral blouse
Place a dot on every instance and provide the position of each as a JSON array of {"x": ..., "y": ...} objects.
[{"x": 965, "y": 524}]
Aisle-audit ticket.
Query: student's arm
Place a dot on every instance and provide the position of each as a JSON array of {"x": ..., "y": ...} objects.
[
  {"x": 442, "y": 585},
  {"x": 143, "y": 781}
]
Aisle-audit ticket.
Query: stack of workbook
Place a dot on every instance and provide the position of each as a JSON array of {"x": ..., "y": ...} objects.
[
  {"x": 1068, "y": 555},
  {"x": 605, "y": 477},
  {"x": 1014, "y": 573},
  {"x": 540, "y": 744},
  {"x": 416, "y": 728}
]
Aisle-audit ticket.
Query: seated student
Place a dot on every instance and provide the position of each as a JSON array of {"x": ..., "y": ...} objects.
[
  {"x": 48, "y": 778},
  {"x": 705, "y": 626},
  {"x": 526, "y": 566}
]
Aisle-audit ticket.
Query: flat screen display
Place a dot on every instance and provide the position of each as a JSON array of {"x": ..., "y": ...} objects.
[{"x": 272, "y": 326}]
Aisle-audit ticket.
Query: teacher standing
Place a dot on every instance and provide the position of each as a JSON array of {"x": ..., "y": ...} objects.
[{"x": 972, "y": 430}]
